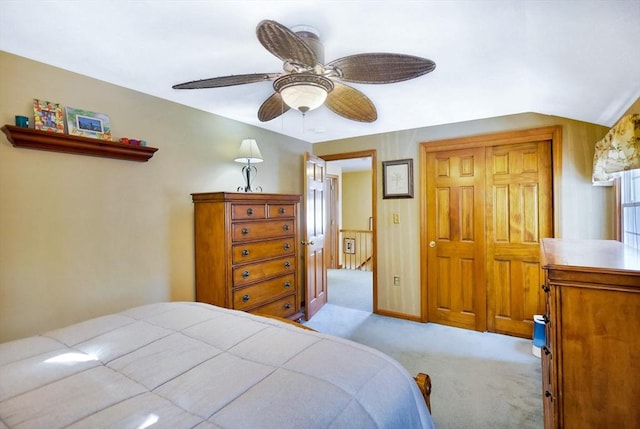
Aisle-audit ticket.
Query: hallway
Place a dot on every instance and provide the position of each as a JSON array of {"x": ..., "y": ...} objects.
[{"x": 351, "y": 289}]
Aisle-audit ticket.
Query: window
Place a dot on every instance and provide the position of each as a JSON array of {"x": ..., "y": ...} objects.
[{"x": 628, "y": 197}]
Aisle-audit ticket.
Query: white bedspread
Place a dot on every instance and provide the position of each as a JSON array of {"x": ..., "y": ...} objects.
[{"x": 193, "y": 365}]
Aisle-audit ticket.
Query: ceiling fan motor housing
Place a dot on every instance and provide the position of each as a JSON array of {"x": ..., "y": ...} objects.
[{"x": 311, "y": 37}]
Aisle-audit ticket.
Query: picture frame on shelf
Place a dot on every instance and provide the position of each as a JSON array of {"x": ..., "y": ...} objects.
[
  {"x": 88, "y": 124},
  {"x": 397, "y": 179},
  {"x": 48, "y": 116}
]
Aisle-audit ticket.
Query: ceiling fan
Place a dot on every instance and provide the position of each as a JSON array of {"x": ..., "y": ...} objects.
[{"x": 307, "y": 82}]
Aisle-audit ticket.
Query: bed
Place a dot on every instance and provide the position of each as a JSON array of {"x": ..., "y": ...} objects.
[{"x": 194, "y": 365}]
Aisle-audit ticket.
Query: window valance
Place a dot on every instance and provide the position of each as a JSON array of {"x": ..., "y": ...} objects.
[{"x": 619, "y": 150}]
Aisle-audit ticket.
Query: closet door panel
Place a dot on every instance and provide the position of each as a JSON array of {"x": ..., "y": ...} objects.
[
  {"x": 455, "y": 253},
  {"x": 518, "y": 214}
]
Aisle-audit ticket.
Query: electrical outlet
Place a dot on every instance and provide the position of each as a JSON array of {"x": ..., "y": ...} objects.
[
  {"x": 396, "y": 280},
  {"x": 396, "y": 218}
]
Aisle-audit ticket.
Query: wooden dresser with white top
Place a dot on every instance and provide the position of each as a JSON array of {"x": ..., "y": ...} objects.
[
  {"x": 591, "y": 362},
  {"x": 246, "y": 252}
]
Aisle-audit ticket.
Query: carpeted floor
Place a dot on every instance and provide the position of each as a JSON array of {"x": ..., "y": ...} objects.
[
  {"x": 480, "y": 380},
  {"x": 351, "y": 289}
]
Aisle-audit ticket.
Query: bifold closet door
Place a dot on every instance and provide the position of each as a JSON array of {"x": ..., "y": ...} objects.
[{"x": 487, "y": 208}]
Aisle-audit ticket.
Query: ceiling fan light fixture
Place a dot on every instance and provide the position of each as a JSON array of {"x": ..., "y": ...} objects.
[{"x": 303, "y": 91}]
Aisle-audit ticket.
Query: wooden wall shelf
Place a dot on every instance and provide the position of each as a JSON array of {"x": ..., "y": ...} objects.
[{"x": 58, "y": 142}]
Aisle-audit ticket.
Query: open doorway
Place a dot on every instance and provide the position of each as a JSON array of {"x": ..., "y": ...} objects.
[{"x": 351, "y": 186}]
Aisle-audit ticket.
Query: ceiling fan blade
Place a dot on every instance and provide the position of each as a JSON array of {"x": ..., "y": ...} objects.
[
  {"x": 285, "y": 44},
  {"x": 381, "y": 67},
  {"x": 219, "y": 82},
  {"x": 350, "y": 103},
  {"x": 273, "y": 107}
]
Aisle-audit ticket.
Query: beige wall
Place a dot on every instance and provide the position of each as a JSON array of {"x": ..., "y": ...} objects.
[
  {"x": 585, "y": 211},
  {"x": 356, "y": 200},
  {"x": 83, "y": 236}
]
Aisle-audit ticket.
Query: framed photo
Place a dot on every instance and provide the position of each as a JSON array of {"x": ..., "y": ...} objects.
[
  {"x": 48, "y": 116},
  {"x": 88, "y": 124},
  {"x": 349, "y": 245},
  {"x": 397, "y": 179}
]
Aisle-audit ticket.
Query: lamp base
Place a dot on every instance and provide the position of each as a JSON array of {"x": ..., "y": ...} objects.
[
  {"x": 246, "y": 172},
  {"x": 248, "y": 189}
]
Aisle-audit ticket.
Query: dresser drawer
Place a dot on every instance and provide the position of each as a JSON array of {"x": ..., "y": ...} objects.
[
  {"x": 251, "y": 296},
  {"x": 245, "y": 231},
  {"x": 281, "y": 210},
  {"x": 251, "y": 273},
  {"x": 247, "y": 211},
  {"x": 248, "y": 252},
  {"x": 284, "y": 307}
]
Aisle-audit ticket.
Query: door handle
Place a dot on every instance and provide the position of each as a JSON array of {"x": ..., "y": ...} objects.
[
  {"x": 432, "y": 244},
  {"x": 304, "y": 243}
]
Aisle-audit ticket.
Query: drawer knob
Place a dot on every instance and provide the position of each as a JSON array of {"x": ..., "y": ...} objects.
[
  {"x": 245, "y": 252},
  {"x": 545, "y": 288},
  {"x": 245, "y": 231},
  {"x": 287, "y": 246},
  {"x": 245, "y": 298},
  {"x": 286, "y": 227},
  {"x": 287, "y": 264},
  {"x": 287, "y": 284},
  {"x": 245, "y": 274},
  {"x": 287, "y": 306},
  {"x": 249, "y": 211},
  {"x": 281, "y": 210}
]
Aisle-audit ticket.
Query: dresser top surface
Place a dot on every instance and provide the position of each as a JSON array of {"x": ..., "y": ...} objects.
[
  {"x": 244, "y": 197},
  {"x": 602, "y": 255}
]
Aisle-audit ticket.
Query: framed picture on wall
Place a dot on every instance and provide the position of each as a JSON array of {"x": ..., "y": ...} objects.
[
  {"x": 397, "y": 179},
  {"x": 349, "y": 245}
]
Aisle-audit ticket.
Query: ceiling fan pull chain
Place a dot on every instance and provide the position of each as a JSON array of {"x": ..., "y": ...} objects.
[
  {"x": 304, "y": 115},
  {"x": 282, "y": 113}
]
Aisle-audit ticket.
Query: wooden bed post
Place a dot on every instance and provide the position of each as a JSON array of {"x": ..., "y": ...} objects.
[{"x": 424, "y": 384}]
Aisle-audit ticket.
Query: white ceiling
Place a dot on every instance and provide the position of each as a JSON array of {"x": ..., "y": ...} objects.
[{"x": 573, "y": 58}]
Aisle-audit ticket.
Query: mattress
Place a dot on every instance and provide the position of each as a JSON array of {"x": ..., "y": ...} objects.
[{"x": 194, "y": 365}]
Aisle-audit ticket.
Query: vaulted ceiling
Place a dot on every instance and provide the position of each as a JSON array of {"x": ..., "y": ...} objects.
[{"x": 573, "y": 58}]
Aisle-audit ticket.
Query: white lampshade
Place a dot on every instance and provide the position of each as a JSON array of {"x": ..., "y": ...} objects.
[
  {"x": 249, "y": 152},
  {"x": 303, "y": 91},
  {"x": 303, "y": 97}
]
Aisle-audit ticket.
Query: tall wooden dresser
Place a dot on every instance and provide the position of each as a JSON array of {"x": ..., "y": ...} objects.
[
  {"x": 246, "y": 252},
  {"x": 591, "y": 362}
]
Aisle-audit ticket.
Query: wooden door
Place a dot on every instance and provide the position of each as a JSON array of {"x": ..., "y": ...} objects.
[
  {"x": 315, "y": 220},
  {"x": 455, "y": 231},
  {"x": 487, "y": 202},
  {"x": 519, "y": 213}
]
